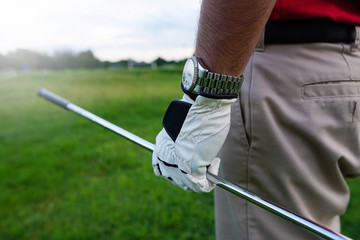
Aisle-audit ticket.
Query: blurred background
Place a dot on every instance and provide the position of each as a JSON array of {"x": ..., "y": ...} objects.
[
  {"x": 64, "y": 177},
  {"x": 113, "y": 30}
]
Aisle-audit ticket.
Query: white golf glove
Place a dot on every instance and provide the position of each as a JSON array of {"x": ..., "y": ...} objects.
[{"x": 193, "y": 133}]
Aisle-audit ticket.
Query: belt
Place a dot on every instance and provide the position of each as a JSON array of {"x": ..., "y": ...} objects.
[{"x": 309, "y": 31}]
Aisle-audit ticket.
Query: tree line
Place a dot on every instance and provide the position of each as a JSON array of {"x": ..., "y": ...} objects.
[{"x": 25, "y": 60}]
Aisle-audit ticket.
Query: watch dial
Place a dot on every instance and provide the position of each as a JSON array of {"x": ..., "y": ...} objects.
[{"x": 188, "y": 74}]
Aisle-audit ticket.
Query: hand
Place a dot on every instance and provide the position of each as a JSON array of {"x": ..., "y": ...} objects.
[{"x": 193, "y": 133}]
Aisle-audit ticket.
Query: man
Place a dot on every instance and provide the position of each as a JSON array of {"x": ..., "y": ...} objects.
[{"x": 295, "y": 125}]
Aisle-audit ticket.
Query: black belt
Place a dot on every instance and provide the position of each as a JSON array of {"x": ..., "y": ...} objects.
[{"x": 309, "y": 31}]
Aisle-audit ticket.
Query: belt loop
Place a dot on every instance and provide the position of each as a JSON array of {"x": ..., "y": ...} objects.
[
  {"x": 356, "y": 45},
  {"x": 260, "y": 46}
]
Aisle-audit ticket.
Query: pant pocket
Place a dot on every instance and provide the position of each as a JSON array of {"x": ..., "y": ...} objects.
[
  {"x": 238, "y": 121},
  {"x": 339, "y": 99},
  {"x": 331, "y": 89},
  {"x": 334, "y": 110}
]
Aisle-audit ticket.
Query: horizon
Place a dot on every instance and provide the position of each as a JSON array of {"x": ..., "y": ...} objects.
[{"x": 76, "y": 53}]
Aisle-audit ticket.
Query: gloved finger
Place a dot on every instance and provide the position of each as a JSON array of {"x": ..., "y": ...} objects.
[
  {"x": 214, "y": 166},
  {"x": 181, "y": 179},
  {"x": 199, "y": 184},
  {"x": 173, "y": 175},
  {"x": 206, "y": 185}
]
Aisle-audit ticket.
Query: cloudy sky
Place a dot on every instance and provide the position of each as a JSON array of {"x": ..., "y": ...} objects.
[{"x": 112, "y": 29}]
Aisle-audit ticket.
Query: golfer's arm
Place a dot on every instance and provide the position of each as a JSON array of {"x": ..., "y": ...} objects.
[{"x": 228, "y": 32}]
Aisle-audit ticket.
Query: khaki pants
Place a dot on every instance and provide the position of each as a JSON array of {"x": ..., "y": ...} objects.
[{"x": 293, "y": 140}]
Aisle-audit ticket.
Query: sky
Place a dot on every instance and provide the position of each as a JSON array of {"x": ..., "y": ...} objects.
[{"x": 113, "y": 29}]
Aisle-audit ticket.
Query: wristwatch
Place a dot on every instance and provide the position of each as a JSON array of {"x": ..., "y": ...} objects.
[{"x": 196, "y": 80}]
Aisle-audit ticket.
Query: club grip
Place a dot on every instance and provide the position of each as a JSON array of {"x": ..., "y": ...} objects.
[{"x": 53, "y": 97}]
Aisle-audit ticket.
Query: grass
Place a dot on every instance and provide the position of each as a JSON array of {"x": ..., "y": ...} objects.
[{"x": 63, "y": 177}]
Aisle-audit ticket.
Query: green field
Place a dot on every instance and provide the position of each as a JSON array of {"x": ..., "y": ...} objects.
[{"x": 64, "y": 177}]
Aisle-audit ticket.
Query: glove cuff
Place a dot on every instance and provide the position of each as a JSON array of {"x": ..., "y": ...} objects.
[{"x": 213, "y": 103}]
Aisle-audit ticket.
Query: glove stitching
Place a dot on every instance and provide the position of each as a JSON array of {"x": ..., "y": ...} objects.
[
  {"x": 203, "y": 142},
  {"x": 217, "y": 104},
  {"x": 213, "y": 136},
  {"x": 212, "y": 108},
  {"x": 204, "y": 119}
]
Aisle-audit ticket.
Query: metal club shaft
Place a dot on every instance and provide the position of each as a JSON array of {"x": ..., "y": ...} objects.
[{"x": 219, "y": 181}]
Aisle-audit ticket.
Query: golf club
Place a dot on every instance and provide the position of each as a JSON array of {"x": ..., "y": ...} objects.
[{"x": 219, "y": 181}]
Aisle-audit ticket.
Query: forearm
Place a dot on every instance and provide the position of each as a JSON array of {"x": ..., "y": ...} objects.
[{"x": 228, "y": 32}]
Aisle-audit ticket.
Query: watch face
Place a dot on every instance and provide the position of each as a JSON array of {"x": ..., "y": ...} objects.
[{"x": 188, "y": 78}]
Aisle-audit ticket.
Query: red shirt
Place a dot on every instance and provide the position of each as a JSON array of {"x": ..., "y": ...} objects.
[{"x": 342, "y": 11}]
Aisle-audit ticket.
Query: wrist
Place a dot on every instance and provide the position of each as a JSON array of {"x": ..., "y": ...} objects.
[
  {"x": 219, "y": 64},
  {"x": 197, "y": 80}
]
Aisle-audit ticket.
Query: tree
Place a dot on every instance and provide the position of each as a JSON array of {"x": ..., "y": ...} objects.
[{"x": 160, "y": 61}]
